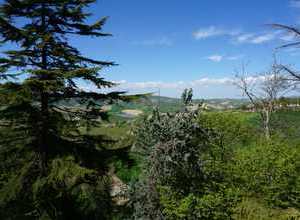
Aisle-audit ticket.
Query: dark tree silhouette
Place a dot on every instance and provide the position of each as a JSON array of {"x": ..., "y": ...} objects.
[{"x": 48, "y": 168}]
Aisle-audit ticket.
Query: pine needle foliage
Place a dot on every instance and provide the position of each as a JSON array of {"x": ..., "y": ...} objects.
[{"x": 49, "y": 170}]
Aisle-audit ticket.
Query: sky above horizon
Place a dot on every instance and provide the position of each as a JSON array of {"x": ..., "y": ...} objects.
[{"x": 171, "y": 44}]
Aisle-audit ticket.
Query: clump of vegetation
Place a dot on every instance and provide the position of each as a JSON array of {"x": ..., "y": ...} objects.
[
  {"x": 183, "y": 176},
  {"x": 250, "y": 208},
  {"x": 234, "y": 128},
  {"x": 270, "y": 170},
  {"x": 265, "y": 172}
]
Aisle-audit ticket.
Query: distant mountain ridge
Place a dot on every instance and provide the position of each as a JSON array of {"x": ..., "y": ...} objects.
[
  {"x": 215, "y": 102},
  {"x": 166, "y": 103}
]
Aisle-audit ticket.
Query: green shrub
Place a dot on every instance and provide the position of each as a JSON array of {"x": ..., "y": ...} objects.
[
  {"x": 128, "y": 171},
  {"x": 234, "y": 128},
  {"x": 250, "y": 209},
  {"x": 218, "y": 205},
  {"x": 271, "y": 170},
  {"x": 184, "y": 171}
]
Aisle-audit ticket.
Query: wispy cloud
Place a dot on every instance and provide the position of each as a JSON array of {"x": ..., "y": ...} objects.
[
  {"x": 288, "y": 37},
  {"x": 244, "y": 38},
  {"x": 212, "y": 31},
  {"x": 185, "y": 84},
  {"x": 218, "y": 58},
  {"x": 162, "y": 41},
  {"x": 207, "y": 32},
  {"x": 253, "y": 38},
  {"x": 238, "y": 36},
  {"x": 215, "y": 58},
  {"x": 198, "y": 83},
  {"x": 203, "y": 87},
  {"x": 263, "y": 38},
  {"x": 175, "y": 85}
]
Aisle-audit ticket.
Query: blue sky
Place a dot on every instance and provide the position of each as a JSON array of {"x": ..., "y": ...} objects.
[{"x": 172, "y": 44}]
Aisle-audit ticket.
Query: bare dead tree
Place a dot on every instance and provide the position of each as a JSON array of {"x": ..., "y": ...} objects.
[{"x": 263, "y": 91}]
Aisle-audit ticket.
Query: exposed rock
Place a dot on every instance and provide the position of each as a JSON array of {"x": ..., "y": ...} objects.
[{"x": 118, "y": 191}]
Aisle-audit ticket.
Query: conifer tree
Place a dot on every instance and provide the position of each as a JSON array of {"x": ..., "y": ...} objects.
[{"x": 50, "y": 170}]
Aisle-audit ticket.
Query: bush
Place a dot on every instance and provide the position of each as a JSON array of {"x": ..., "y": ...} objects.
[
  {"x": 217, "y": 205},
  {"x": 250, "y": 208},
  {"x": 270, "y": 170},
  {"x": 184, "y": 171},
  {"x": 128, "y": 171},
  {"x": 234, "y": 128}
]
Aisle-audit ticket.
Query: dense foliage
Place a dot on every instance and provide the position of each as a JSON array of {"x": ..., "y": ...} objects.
[
  {"x": 265, "y": 172},
  {"x": 215, "y": 165},
  {"x": 49, "y": 168},
  {"x": 183, "y": 176}
]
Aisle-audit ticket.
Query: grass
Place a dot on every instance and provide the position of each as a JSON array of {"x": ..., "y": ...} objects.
[
  {"x": 118, "y": 135},
  {"x": 254, "y": 209},
  {"x": 110, "y": 130}
]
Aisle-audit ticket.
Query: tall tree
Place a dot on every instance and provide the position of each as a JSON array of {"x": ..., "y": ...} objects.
[{"x": 49, "y": 169}]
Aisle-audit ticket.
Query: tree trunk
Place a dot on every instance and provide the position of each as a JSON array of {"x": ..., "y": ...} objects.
[
  {"x": 267, "y": 124},
  {"x": 44, "y": 107},
  {"x": 44, "y": 132}
]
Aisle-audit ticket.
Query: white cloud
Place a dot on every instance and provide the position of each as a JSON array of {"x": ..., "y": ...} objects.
[
  {"x": 237, "y": 36},
  {"x": 163, "y": 41},
  {"x": 244, "y": 38},
  {"x": 252, "y": 38},
  {"x": 295, "y": 4},
  {"x": 176, "y": 85},
  {"x": 207, "y": 32},
  {"x": 198, "y": 83},
  {"x": 212, "y": 31},
  {"x": 263, "y": 38},
  {"x": 218, "y": 58},
  {"x": 203, "y": 87},
  {"x": 229, "y": 81},
  {"x": 288, "y": 37},
  {"x": 215, "y": 58}
]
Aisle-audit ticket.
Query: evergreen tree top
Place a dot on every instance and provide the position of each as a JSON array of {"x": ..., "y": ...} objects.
[{"x": 41, "y": 30}]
